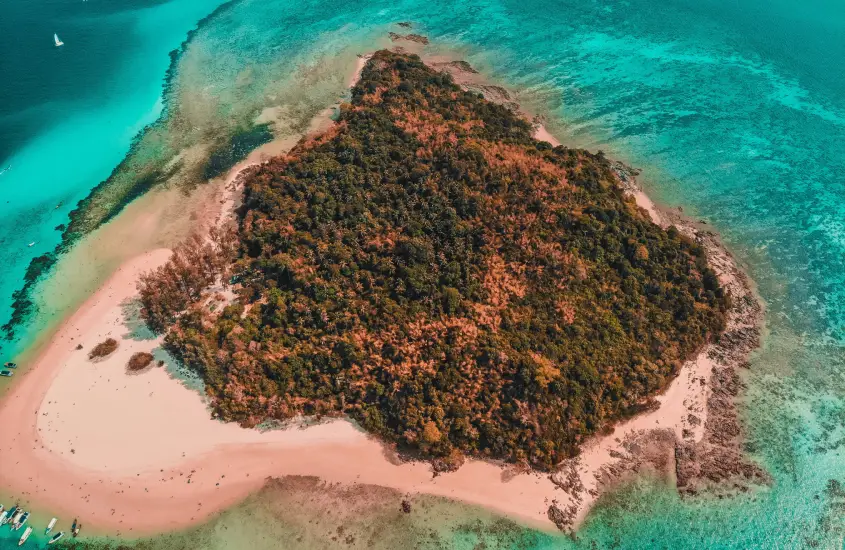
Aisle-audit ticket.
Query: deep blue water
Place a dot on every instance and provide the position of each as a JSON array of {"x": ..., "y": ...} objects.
[{"x": 735, "y": 109}]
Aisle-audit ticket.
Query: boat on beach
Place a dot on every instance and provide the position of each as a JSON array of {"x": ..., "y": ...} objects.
[
  {"x": 50, "y": 526},
  {"x": 56, "y": 537},
  {"x": 25, "y": 536},
  {"x": 10, "y": 365},
  {"x": 6, "y": 373},
  {"x": 75, "y": 528},
  {"x": 3, "y": 517},
  {"x": 21, "y": 521}
]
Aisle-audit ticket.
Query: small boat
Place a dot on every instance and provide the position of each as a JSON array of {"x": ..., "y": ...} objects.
[
  {"x": 58, "y": 42},
  {"x": 6, "y": 373},
  {"x": 2, "y": 507},
  {"x": 9, "y": 514},
  {"x": 31, "y": 244},
  {"x": 25, "y": 536},
  {"x": 56, "y": 537},
  {"x": 21, "y": 521},
  {"x": 13, "y": 519},
  {"x": 3, "y": 517},
  {"x": 75, "y": 528},
  {"x": 51, "y": 525},
  {"x": 10, "y": 365},
  {"x": 6, "y": 169}
]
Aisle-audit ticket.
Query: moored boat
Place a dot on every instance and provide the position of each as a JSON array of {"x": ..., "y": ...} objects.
[
  {"x": 50, "y": 526},
  {"x": 3, "y": 517},
  {"x": 6, "y": 373},
  {"x": 10, "y": 365},
  {"x": 13, "y": 518},
  {"x": 56, "y": 537},
  {"x": 21, "y": 521},
  {"x": 9, "y": 513},
  {"x": 25, "y": 536}
]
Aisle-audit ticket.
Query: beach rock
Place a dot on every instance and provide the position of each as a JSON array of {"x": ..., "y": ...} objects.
[
  {"x": 406, "y": 506},
  {"x": 405, "y": 24},
  {"x": 568, "y": 479},
  {"x": 562, "y": 518},
  {"x": 418, "y": 38},
  {"x": 459, "y": 65},
  {"x": 493, "y": 93}
]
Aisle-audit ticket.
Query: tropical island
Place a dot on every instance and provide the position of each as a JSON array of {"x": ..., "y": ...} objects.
[{"x": 430, "y": 269}]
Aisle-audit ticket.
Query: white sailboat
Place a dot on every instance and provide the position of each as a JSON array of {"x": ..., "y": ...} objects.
[{"x": 58, "y": 42}]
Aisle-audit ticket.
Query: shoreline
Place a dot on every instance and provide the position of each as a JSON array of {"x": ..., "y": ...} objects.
[
  {"x": 705, "y": 451},
  {"x": 159, "y": 462}
]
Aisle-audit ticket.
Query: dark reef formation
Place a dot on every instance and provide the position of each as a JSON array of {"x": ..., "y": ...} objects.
[
  {"x": 456, "y": 286},
  {"x": 418, "y": 38}
]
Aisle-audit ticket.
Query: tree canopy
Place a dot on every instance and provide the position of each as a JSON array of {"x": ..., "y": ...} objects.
[{"x": 453, "y": 284}]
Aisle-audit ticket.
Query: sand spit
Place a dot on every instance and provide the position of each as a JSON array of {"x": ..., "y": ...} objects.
[{"x": 136, "y": 453}]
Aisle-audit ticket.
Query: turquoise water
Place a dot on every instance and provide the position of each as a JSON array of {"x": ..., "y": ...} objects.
[
  {"x": 736, "y": 111},
  {"x": 68, "y": 115}
]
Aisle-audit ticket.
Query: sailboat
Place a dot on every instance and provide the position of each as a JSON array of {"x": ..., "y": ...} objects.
[{"x": 58, "y": 42}]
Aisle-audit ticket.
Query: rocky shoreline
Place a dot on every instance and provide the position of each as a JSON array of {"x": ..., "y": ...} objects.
[{"x": 717, "y": 461}]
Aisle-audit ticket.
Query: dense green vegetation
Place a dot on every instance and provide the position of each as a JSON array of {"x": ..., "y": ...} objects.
[{"x": 456, "y": 286}]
